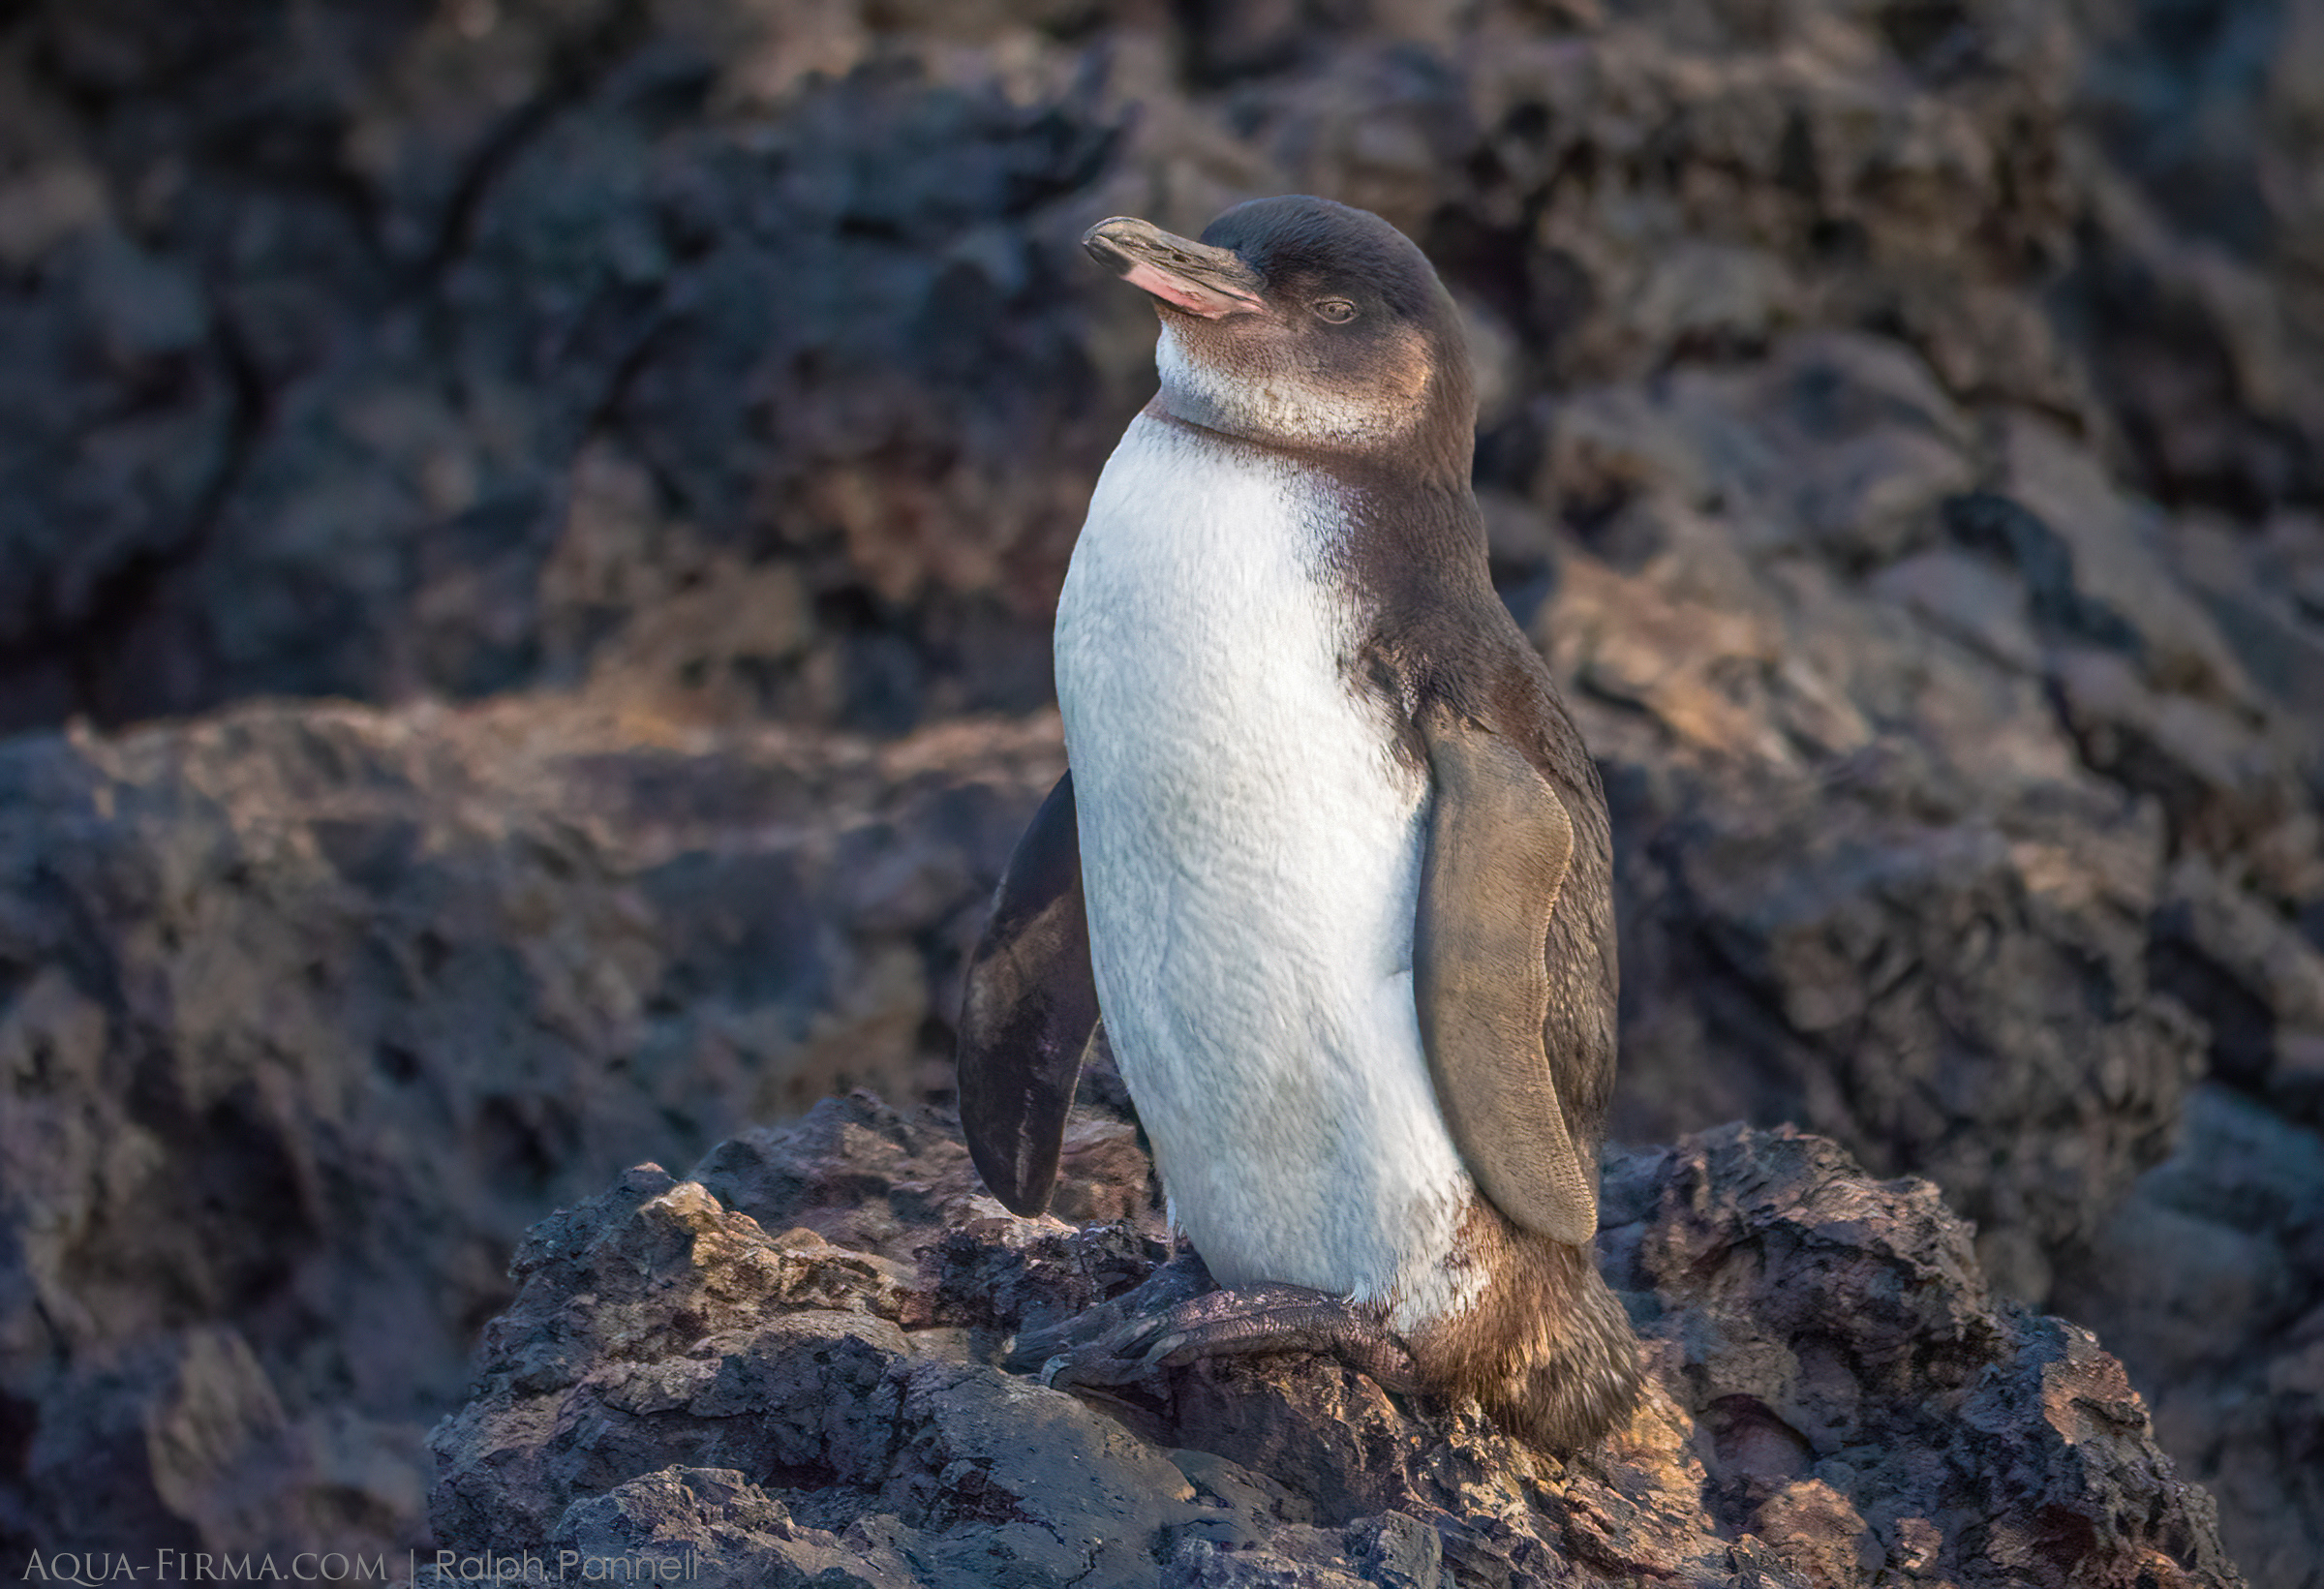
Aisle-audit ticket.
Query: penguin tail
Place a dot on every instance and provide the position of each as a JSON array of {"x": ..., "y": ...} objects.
[{"x": 1546, "y": 1348}]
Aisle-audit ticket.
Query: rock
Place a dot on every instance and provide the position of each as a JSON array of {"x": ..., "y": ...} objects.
[
  {"x": 1976, "y": 848},
  {"x": 2212, "y": 1277},
  {"x": 316, "y": 393},
  {"x": 120, "y": 419},
  {"x": 2258, "y": 983},
  {"x": 1859, "y": 833},
  {"x": 305, "y": 1012},
  {"x": 1923, "y": 983},
  {"x": 690, "y": 1372},
  {"x": 2199, "y": 347}
]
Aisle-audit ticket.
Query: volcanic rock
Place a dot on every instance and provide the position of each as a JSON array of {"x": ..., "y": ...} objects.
[
  {"x": 306, "y": 1013},
  {"x": 782, "y": 1370}
]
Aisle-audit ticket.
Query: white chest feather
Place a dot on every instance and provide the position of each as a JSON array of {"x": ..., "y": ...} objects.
[{"x": 1251, "y": 856}]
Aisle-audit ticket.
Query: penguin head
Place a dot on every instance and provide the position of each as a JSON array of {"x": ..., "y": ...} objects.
[{"x": 1304, "y": 323}]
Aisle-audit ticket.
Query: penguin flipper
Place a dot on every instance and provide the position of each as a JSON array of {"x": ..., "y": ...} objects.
[
  {"x": 1499, "y": 844},
  {"x": 1027, "y": 1012}
]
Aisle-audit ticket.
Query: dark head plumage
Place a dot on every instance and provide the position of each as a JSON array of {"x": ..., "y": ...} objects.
[{"x": 1307, "y": 324}]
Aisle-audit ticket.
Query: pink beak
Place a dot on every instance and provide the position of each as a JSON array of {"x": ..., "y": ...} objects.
[{"x": 1190, "y": 276}]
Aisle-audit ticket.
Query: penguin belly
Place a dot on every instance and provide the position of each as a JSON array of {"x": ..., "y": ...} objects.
[{"x": 1251, "y": 852}]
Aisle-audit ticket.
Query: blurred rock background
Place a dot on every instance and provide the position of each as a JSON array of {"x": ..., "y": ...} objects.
[{"x": 529, "y": 534}]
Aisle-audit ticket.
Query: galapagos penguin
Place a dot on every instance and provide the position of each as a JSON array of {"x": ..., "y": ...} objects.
[{"x": 1330, "y": 858}]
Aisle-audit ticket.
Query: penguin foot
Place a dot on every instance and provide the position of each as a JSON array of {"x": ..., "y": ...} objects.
[
  {"x": 1249, "y": 1321},
  {"x": 1183, "y": 1277}
]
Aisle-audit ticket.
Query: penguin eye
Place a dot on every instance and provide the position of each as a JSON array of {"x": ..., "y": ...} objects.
[{"x": 1338, "y": 311}]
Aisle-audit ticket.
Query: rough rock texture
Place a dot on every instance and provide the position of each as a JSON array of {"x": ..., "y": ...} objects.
[
  {"x": 2233, "y": 1344},
  {"x": 1903, "y": 430},
  {"x": 309, "y": 1013},
  {"x": 742, "y": 344},
  {"x": 1975, "y": 836},
  {"x": 784, "y": 1367}
]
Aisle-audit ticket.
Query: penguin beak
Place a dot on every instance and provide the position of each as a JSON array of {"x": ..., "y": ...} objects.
[{"x": 1210, "y": 282}]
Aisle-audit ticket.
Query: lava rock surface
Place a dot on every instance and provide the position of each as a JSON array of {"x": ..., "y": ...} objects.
[
  {"x": 781, "y": 1371},
  {"x": 309, "y": 1012}
]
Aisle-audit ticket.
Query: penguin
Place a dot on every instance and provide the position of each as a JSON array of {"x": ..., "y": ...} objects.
[{"x": 1329, "y": 862}]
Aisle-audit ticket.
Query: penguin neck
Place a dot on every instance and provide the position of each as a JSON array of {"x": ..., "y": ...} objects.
[
  {"x": 1432, "y": 450},
  {"x": 1417, "y": 464}
]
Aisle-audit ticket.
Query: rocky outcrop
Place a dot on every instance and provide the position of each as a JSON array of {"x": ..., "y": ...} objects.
[
  {"x": 1974, "y": 833},
  {"x": 309, "y": 1013},
  {"x": 743, "y": 350},
  {"x": 784, "y": 1368},
  {"x": 2210, "y": 1280}
]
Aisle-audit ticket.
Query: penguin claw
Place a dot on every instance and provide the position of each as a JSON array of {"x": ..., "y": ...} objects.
[
  {"x": 1119, "y": 1356},
  {"x": 1159, "y": 1354},
  {"x": 1109, "y": 1329}
]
